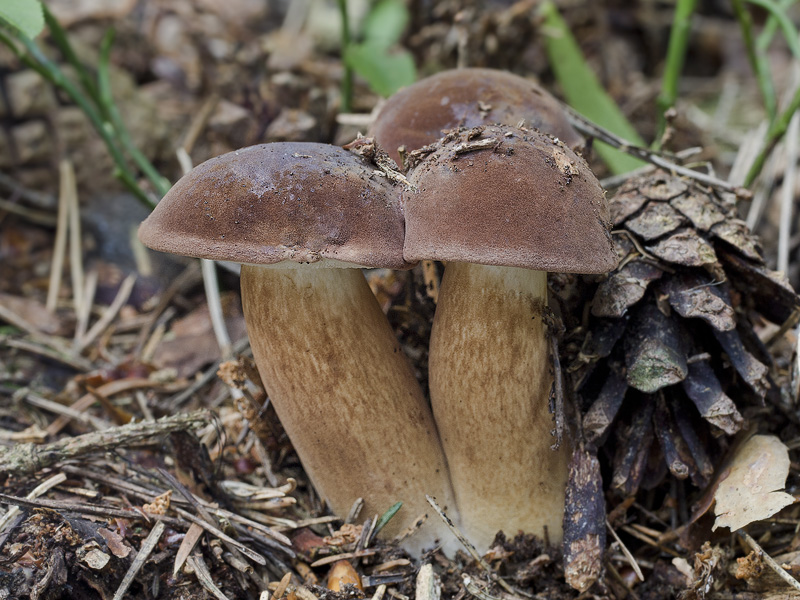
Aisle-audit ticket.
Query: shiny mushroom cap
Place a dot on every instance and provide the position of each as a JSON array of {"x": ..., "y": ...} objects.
[
  {"x": 419, "y": 114},
  {"x": 506, "y": 196},
  {"x": 299, "y": 202}
]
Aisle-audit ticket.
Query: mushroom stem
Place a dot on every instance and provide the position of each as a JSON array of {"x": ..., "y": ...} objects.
[
  {"x": 490, "y": 378},
  {"x": 345, "y": 393}
]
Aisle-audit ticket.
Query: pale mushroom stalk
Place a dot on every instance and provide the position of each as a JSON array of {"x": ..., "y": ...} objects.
[
  {"x": 490, "y": 380},
  {"x": 301, "y": 218},
  {"x": 343, "y": 389},
  {"x": 502, "y": 214}
]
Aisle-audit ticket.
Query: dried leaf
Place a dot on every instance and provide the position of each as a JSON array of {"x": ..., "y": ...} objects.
[
  {"x": 35, "y": 314},
  {"x": 656, "y": 220},
  {"x": 193, "y": 343},
  {"x": 115, "y": 542},
  {"x": 701, "y": 210},
  {"x": 654, "y": 351},
  {"x": 661, "y": 186},
  {"x": 704, "y": 389},
  {"x": 685, "y": 247},
  {"x": 752, "y": 488},
  {"x": 584, "y": 522},
  {"x": 623, "y": 288},
  {"x": 736, "y": 233},
  {"x": 193, "y": 535},
  {"x": 692, "y": 295}
]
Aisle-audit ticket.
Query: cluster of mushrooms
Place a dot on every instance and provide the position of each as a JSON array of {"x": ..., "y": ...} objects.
[{"x": 502, "y": 204}]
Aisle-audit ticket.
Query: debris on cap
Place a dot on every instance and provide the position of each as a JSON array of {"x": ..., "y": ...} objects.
[
  {"x": 285, "y": 201},
  {"x": 507, "y": 196}
]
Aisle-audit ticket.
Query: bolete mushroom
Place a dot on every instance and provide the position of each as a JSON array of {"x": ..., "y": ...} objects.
[
  {"x": 302, "y": 218},
  {"x": 503, "y": 206},
  {"x": 420, "y": 113}
]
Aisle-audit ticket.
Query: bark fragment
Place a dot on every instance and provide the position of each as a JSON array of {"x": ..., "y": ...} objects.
[
  {"x": 602, "y": 338},
  {"x": 687, "y": 426},
  {"x": 774, "y": 297},
  {"x": 676, "y": 452},
  {"x": 736, "y": 233},
  {"x": 662, "y": 186},
  {"x": 625, "y": 204},
  {"x": 584, "y": 521}
]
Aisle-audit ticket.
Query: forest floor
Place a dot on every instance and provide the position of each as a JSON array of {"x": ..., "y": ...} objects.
[{"x": 130, "y": 469}]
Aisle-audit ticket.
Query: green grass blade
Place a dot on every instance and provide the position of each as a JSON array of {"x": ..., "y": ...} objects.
[
  {"x": 758, "y": 60},
  {"x": 784, "y": 22},
  {"x": 584, "y": 92},
  {"x": 676, "y": 56},
  {"x": 109, "y": 108},
  {"x": 61, "y": 40},
  {"x": 387, "y": 516}
]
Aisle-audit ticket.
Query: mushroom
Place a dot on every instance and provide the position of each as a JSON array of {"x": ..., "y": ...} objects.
[
  {"x": 503, "y": 206},
  {"x": 302, "y": 218},
  {"x": 419, "y": 114}
]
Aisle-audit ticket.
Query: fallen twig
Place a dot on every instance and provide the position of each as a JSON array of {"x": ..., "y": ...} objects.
[
  {"x": 586, "y": 127},
  {"x": 25, "y": 459},
  {"x": 472, "y": 550},
  {"x": 146, "y": 549},
  {"x": 204, "y": 576},
  {"x": 779, "y": 571}
]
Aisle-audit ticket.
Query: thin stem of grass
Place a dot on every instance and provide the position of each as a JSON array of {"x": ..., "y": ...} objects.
[
  {"x": 775, "y": 133},
  {"x": 59, "y": 36},
  {"x": 676, "y": 56},
  {"x": 160, "y": 184},
  {"x": 758, "y": 60},
  {"x": 347, "y": 75},
  {"x": 582, "y": 88},
  {"x": 771, "y": 26},
  {"x": 784, "y": 22},
  {"x": 35, "y": 59}
]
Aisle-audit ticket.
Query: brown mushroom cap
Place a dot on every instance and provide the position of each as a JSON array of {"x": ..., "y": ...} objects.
[
  {"x": 301, "y": 202},
  {"x": 506, "y": 196},
  {"x": 419, "y": 114}
]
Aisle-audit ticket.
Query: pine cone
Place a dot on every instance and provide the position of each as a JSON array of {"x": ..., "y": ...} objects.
[{"x": 671, "y": 354}]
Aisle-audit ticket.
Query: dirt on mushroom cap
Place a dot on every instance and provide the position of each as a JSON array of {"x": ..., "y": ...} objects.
[
  {"x": 302, "y": 202},
  {"x": 417, "y": 115},
  {"x": 500, "y": 195}
]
